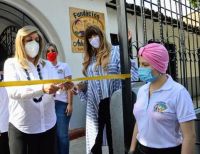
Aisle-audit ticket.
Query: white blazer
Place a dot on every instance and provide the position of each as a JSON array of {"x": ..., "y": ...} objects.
[{"x": 25, "y": 114}]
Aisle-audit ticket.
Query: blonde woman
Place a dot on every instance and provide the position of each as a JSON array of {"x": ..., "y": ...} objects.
[
  {"x": 100, "y": 58},
  {"x": 31, "y": 108}
]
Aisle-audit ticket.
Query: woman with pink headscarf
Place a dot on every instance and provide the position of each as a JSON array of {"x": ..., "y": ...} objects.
[{"x": 164, "y": 110}]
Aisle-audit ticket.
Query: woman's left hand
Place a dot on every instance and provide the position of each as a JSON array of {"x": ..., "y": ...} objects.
[
  {"x": 66, "y": 85},
  {"x": 69, "y": 110}
]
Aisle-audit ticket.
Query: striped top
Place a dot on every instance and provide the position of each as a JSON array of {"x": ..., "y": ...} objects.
[{"x": 101, "y": 89}]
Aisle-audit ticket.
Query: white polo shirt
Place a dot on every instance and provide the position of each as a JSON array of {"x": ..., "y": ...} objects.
[
  {"x": 63, "y": 71},
  {"x": 25, "y": 114},
  {"x": 3, "y": 111},
  {"x": 159, "y": 117}
]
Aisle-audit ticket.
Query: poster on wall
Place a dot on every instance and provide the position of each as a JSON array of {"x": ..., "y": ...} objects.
[{"x": 80, "y": 19}]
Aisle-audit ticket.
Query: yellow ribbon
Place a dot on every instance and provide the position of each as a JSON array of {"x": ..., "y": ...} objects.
[{"x": 35, "y": 82}]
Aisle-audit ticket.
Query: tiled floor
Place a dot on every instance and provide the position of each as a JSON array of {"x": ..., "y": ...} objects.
[{"x": 77, "y": 146}]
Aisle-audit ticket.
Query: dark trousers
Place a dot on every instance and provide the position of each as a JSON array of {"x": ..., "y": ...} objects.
[
  {"x": 103, "y": 121},
  {"x": 4, "y": 148},
  {"x": 140, "y": 149},
  {"x": 22, "y": 143}
]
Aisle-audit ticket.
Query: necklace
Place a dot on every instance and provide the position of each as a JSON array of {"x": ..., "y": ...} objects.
[{"x": 40, "y": 76}]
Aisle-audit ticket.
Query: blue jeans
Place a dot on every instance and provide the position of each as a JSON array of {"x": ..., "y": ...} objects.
[{"x": 62, "y": 128}]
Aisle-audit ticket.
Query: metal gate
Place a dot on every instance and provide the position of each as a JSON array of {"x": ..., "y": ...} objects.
[
  {"x": 174, "y": 23},
  {"x": 12, "y": 19}
]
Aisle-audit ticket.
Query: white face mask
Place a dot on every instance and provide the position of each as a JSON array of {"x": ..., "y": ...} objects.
[
  {"x": 95, "y": 42},
  {"x": 32, "y": 48}
]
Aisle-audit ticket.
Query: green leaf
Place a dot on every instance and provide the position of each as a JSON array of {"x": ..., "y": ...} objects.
[{"x": 194, "y": 3}]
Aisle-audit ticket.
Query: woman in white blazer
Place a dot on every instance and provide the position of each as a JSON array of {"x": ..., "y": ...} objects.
[{"x": 32, "y": 112}]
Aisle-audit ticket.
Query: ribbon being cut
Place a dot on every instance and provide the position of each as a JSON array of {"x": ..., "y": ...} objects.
[{"x": 35, "y": 82}]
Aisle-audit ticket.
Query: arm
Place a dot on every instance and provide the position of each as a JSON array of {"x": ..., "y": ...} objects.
[
  {"x": 188, "y": 131},
  {"x": 134, "y": 68},
  {"x": 69, "y": 108},
  {"x": 186, "y": 115},
  {"x": 134, "y": 139},
  {"x": 68, "y": 89},
  {"x": 25, "y": 92},
  {"x": 130, "y": 44},
  {"x": 83, "y": 92}
]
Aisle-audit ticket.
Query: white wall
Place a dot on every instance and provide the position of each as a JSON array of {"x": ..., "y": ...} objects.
[
  {"x": 53, "y": 17},
  {"x": 131, "y": 20},
  {"x": 57, "y": 12},
  {"x": 112, "y": 16}
]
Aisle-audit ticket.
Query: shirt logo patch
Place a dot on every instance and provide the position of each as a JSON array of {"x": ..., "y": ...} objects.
[
  {"x": 160, "y": 107},
  {"x": 60, "y": 71}
]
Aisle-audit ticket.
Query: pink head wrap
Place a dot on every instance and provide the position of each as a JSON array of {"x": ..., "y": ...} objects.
[{"x": 157, "y": 55}]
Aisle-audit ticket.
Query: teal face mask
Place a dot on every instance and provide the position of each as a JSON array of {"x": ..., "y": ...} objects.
[{"x": 145, "y": 74}]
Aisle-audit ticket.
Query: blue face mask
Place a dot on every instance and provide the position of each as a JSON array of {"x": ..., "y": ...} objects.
[{"x": 145, "y": 74}]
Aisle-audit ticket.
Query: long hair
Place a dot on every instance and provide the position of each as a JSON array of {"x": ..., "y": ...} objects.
[
  {"x": 102, "y": 53},
  {"x": 20, "y": 53}
]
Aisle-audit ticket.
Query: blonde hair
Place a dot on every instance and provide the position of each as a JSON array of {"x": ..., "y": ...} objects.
[
  {"x": 103, "y": 52},
  {"x": 20, "y": 53}
]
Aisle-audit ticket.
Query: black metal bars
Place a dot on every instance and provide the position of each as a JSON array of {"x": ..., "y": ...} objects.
[
  {"x": 176, "y": 24},
  {"x": 125, "y": 68}
]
